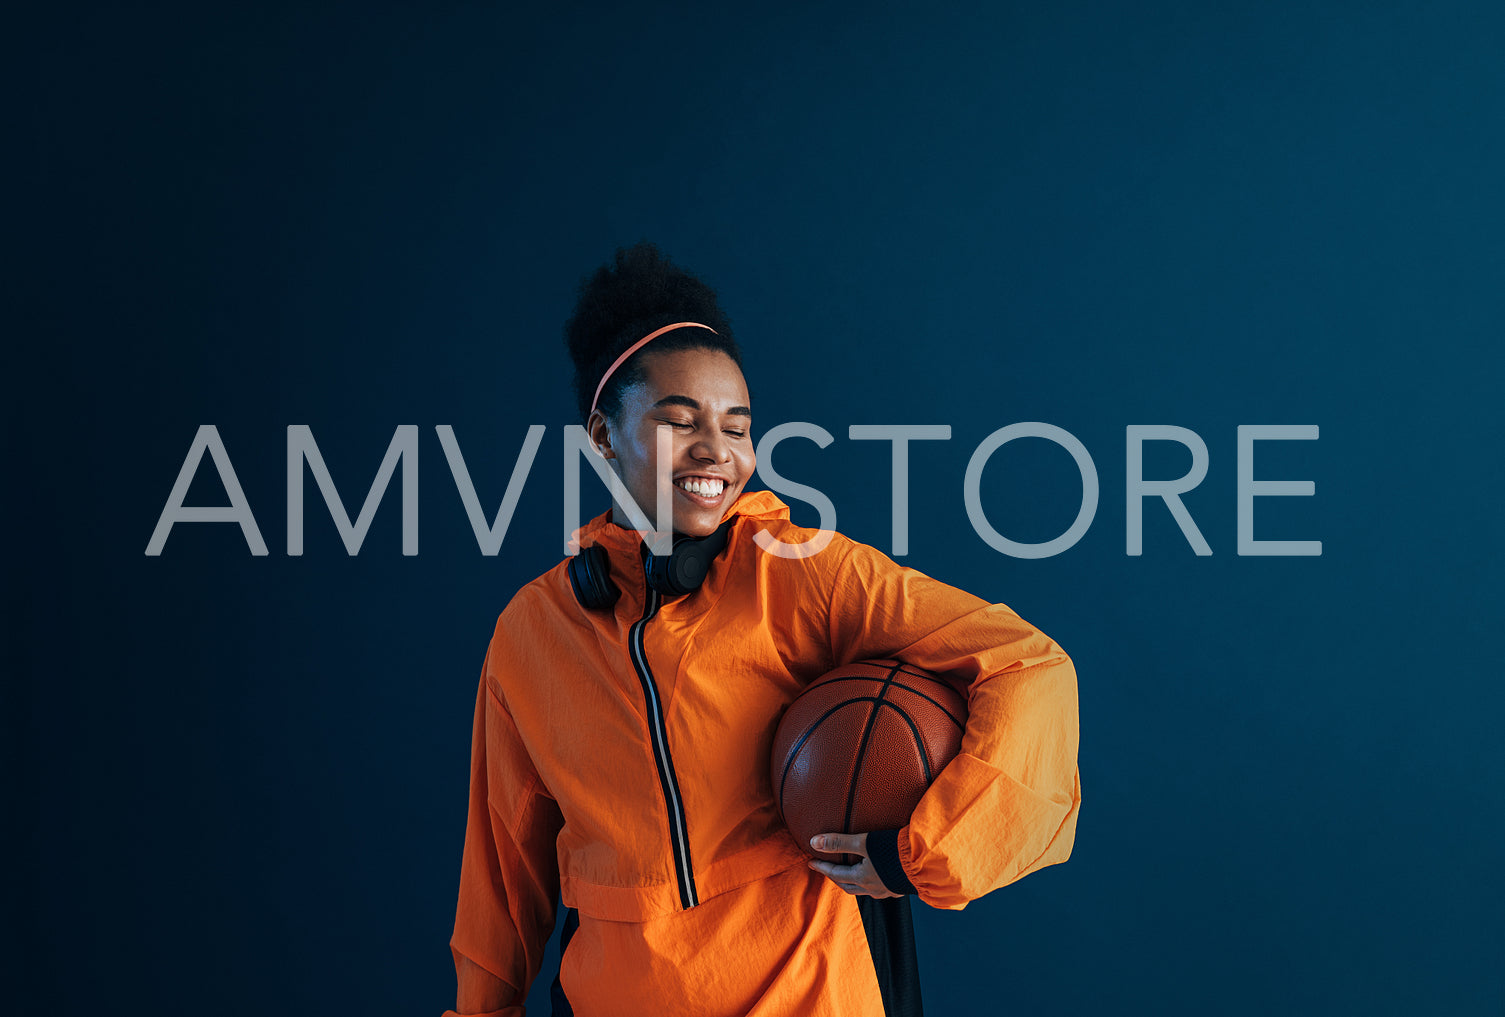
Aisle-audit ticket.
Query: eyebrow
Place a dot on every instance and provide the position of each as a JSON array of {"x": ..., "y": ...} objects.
[{"x": 680, "y": 400}]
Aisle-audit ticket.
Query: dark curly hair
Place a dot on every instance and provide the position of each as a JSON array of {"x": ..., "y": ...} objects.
[{"x": 642, "y": 290}]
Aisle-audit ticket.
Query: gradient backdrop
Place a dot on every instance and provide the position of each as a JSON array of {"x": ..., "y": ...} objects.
[{"x": 241, "y": 781}]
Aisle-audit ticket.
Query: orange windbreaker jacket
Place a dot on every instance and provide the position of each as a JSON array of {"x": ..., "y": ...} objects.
[{"x": 623, "y": 763}]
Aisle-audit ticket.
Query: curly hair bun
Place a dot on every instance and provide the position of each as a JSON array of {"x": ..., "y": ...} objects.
[{"x": 639, "y": 291}]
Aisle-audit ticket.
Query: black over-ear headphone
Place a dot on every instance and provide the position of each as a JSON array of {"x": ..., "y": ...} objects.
[{"x": 680, "y": 571}]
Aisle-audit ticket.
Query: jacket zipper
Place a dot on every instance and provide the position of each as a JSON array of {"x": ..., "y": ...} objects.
[{"x": 678, "y": 832}]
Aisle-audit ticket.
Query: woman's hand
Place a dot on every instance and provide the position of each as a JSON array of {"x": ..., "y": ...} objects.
[{"x": 861, "y": 878}]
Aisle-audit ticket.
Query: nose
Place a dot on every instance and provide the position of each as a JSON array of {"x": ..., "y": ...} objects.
[{"x": 712, "y": 448}]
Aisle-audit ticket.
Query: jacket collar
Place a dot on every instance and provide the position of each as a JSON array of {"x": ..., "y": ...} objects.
[{"x": 617, "y": 538}]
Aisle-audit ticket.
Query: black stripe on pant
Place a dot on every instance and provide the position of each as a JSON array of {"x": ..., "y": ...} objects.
[{"x": 890, "y": 936}]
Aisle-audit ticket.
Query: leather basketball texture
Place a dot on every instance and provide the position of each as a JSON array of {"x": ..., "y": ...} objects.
[{"x": 857, "y": 749}]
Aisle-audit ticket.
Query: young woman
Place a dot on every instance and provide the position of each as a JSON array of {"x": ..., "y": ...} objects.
[{"x": 627, "y": 705}]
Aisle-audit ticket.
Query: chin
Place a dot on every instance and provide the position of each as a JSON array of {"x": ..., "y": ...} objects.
[
  {"x": 702, "y": 520},
  {"x": 696, "y": 527}
]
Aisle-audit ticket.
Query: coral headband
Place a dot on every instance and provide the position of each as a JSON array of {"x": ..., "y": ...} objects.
[{"x": 634, "y": 348}]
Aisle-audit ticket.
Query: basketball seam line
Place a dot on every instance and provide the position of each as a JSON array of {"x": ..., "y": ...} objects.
[
  {"x": 867, "y": 732},
  {"x": 907, "y": 688},
  {"x": 794, "y": 751}
]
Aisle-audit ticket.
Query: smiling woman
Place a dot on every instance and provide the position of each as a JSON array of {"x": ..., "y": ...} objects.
[
  {"x": 626, "y": 712},
  {"x": 689, "y": 379}
]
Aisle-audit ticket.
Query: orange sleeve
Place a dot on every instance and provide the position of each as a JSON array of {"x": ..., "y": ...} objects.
[
  {"x": 1007, "y": 804},
  {"x": 509, "y": 872}
]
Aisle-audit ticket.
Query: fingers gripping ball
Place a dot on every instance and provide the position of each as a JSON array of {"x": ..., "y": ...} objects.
[{"x": 857, "y": 749}]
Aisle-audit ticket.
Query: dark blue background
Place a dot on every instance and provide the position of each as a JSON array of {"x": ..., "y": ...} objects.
[{"x": 242, "y": 780}]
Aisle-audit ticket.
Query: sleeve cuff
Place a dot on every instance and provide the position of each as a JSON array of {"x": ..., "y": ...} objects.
[{"x": 883, "y": 852}]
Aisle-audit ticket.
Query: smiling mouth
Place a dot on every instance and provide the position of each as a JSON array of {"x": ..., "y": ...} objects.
[{"x": 704, "y": 490}]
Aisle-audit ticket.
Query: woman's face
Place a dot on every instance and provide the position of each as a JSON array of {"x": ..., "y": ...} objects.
[{"x": 702, "y": 396}]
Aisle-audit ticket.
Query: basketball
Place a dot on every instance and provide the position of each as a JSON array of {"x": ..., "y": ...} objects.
[{"x": 858, "y": 747}]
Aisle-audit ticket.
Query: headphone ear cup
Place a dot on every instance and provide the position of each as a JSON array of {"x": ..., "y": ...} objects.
[
  {"x": 590, "y": 577},
  {"x": 679, "y": 573},
  {"x": 684, "y": 569},
  {"x": 690, "y": 569}
]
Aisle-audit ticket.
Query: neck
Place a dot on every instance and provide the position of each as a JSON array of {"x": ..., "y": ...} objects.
[{"x": 619, "y": 517}]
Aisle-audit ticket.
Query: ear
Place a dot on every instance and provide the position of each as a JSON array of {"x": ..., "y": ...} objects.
[{"x": 599, "y": 432}]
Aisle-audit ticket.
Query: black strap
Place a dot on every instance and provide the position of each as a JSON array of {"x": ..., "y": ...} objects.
[{"x": 890, "y": 936}]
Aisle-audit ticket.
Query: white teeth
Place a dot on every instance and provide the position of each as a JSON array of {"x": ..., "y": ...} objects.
[{"x": 704, "y": 488}]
